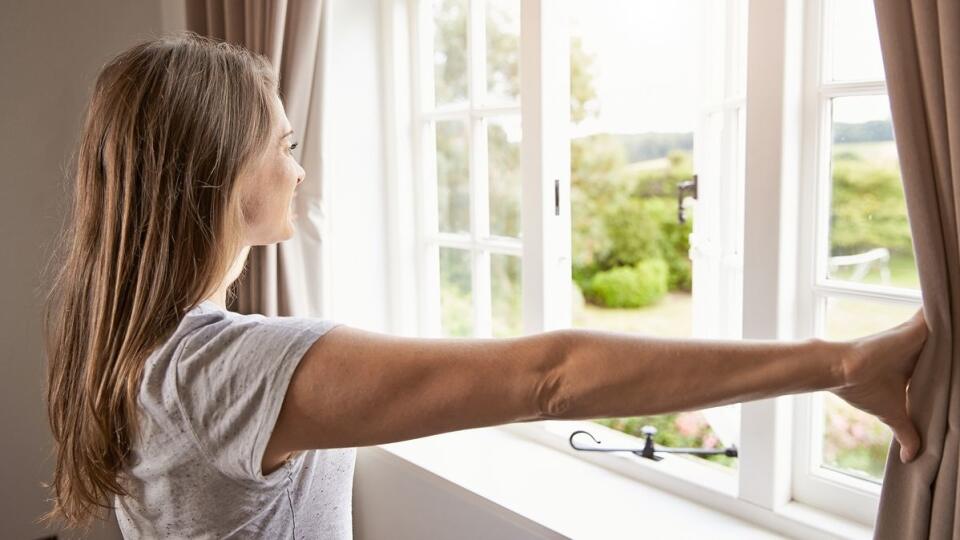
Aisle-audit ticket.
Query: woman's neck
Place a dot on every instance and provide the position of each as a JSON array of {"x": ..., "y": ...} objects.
[{"x": 219, "y": 296}]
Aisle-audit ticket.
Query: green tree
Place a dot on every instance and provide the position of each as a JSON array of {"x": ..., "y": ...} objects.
[{"x": 583, "y": 95}]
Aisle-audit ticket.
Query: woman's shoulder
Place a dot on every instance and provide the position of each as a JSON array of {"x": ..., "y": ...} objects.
[
  {"x": 210, "y": 336},
  {"x": 223, "y": 377},
  {"x": 209, "y": 318}
]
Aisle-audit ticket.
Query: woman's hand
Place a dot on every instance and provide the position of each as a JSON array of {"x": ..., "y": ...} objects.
[{"x": 877, "y": 370}]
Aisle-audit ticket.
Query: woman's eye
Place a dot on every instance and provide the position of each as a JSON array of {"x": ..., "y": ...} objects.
[{"x": 293, "y": 146}]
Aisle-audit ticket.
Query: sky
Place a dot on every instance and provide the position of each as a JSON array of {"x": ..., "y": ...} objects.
[
  {"x": 644, "y": 62},
  {"x": 647, "y": 57}
]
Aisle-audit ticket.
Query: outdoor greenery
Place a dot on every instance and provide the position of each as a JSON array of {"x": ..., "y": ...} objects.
[
  {"x": 867, "y": 209},
  {"x": 637, "y": 285},
  {"x": 624, "y": 215}
]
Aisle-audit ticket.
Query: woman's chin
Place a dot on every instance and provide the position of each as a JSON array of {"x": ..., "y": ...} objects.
[{"x": 283, "y": 231}]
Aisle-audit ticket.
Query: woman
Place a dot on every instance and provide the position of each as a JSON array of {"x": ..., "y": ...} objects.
[{"x": 198, "y": 422}]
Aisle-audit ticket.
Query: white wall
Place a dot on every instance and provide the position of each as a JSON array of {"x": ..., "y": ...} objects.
[
  {"x": 50, "y": 54},
  {"x": 396, "y": 499}
]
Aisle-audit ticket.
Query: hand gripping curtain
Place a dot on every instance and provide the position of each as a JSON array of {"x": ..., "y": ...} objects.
[
  {"x": 920, "y": 41},
  {"x": 283, "y": 278}
]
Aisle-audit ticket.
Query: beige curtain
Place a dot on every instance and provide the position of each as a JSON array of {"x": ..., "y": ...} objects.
[
  {"x": 283, "y": 278},
  {"x": 920, "y": 40}
]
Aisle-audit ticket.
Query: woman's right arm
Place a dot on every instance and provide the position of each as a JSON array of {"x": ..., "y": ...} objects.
[{"x": 358, "y": 388}]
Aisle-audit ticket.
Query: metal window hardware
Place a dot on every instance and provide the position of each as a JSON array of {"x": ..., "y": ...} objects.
[
  {"x": 690, "y": 187},
  {"x": 556, "y": 197},
  {"x": 650, "y": 449}
]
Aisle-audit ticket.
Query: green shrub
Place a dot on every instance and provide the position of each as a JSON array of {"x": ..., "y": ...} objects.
[
  {"x": 583, "y": 274},
  {"x": 633, "y": 233},
  {"x": 625, "y": 213},
  {"x": 629, "y": 286},
  {"x": 674, "y": 241}
]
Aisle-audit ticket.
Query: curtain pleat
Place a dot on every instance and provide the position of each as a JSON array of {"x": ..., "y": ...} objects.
[{"x": 282, "y": 278}]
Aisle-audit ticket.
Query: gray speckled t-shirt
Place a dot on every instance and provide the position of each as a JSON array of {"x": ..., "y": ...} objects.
[{"x": 209, "y": 398}]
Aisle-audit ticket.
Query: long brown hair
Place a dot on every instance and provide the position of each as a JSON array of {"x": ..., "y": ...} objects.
[{"x": 170, "y": 126}]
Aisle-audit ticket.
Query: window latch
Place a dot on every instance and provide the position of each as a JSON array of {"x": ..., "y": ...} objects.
[
  {"x": 685, "y": 189},
  {"x": 556, "y": 197},
  {"x": 650, "y": 449}
]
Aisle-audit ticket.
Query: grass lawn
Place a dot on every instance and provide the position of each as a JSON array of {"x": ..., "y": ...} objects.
[
  {"x": 881, "y": 153},
  {"x": 671, "y": 317},
  {"x": 903, "y": 273}
]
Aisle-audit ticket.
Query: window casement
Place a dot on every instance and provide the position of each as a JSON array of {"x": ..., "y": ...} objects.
[
  {"x": 840, "y": 294},
  {"x": 480, "y": 228}
]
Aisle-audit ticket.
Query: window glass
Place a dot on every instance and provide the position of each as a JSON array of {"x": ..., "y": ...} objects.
[
  {"x": 855, "y": 442},
  {"x": 853, "y": 43},
  {"x": 503, "y": 168},
  {"x": 450, "y": 51},
  {"x": 870, "y": 238},
  {"x": 507, "y": 300},
  {"x": 453, "y": 177},
  {"x": 456, "y": 311},
  {"x": 503, "y": 51}
]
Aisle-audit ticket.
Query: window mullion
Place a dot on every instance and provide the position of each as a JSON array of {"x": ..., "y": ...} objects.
[
  {"x": 425, "y": 171},
  {"x": 772, "y": 167},
  {"x": 864, "y": 88},
  {"x": 480, "y": 217},
  {"x": 479, "y": 213}
]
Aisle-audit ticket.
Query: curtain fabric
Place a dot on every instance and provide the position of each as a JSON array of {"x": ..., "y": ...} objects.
[
  {"x": 289, "y": 34},
  {"x": 920, "y": 41}
]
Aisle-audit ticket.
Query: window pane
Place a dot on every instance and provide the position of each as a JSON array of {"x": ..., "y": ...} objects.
[
  {"x": 456, "y": 310},
  {"x": 503, "y": 149},
  {"x": 507, "y": 301},
  {"x": 869, "y": 233},
  {"x": 453, "y": 177},
  {"x": 855, "y": 442},
  {"x": 450, "y": 51},
  {"x": 853, "y": 43},
  {"x": 503, "y": 50},
  {"x": 848, "y": 319}
]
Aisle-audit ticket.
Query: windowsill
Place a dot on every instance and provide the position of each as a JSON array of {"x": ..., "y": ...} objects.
[{"x": 580, "y": 499}]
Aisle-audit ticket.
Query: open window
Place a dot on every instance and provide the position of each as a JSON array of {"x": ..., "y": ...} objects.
[{"x": 709, "y": 168}]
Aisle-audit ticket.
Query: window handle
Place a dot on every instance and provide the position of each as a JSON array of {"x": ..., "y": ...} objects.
[
  {"x": 556, "y": 197},
  {"x": 689, "y": 187},
  {"x": 650, "y": 449}
]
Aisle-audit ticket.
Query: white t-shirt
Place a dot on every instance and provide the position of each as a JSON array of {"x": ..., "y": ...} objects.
[{"x": 209, "y": 399}]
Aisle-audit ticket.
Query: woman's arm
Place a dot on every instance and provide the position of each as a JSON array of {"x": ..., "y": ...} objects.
[
  {"x": 608, "y": 374},
  {"x": 359, "y": 388}
]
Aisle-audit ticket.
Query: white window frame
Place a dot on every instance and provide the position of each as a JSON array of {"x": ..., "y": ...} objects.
[
  {"x": 544, "y": 243},
  {"x": 775, "y": 306},
  {"x": 813, "y": 484}
]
